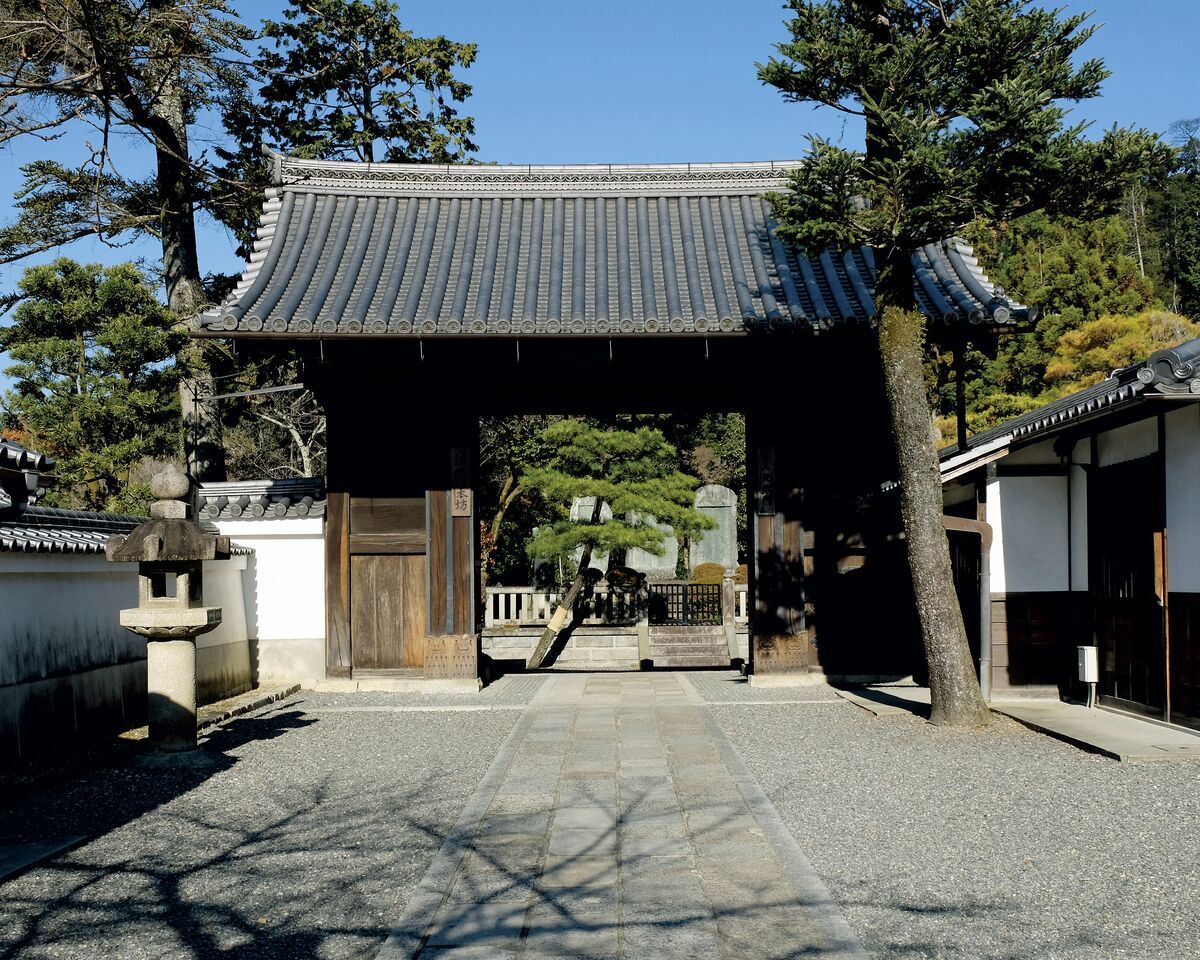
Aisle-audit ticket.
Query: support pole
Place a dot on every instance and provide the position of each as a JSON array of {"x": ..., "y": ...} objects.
[
  {"x": 960, "y": 391},
  {"x": 983, "y": 530}
]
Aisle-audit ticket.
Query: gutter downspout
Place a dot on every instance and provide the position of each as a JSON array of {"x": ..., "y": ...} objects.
[{"x": 984, "y": 531}]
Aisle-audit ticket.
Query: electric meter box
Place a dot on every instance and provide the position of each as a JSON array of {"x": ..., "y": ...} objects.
[{"x": 1089, "y": 665}]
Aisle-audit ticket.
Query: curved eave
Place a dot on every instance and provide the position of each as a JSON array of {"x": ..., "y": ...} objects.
[{"x": 385, "y": 251}]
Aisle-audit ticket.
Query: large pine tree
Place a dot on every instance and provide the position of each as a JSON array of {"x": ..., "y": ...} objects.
[
  {"x": 962, "y": 105},
  {"x": 635, "y": 472}
]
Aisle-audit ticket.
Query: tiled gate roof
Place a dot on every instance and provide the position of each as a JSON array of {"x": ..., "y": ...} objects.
[{"x": 361, "y": 250}]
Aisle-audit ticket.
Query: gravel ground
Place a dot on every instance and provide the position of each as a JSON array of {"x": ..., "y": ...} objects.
[
  {"x": 994, "y": 844},
  {"x": 304, "y": 843}
]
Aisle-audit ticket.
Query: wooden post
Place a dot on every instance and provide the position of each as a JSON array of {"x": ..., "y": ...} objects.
[
  {"x": 452, "y": 645},
  {"x": 781, "y": 641},
  {"x": 337, "y": 584},
  {"x": 960, "y": 391}
]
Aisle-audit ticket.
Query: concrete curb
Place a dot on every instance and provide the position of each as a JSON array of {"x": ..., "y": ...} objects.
[
  {"x": 412, "y": 929},
  {"x": 1178, "y": 747},
  {"x": 822, "y": 907},
  {"x": 17, "y": 858},
  {"x": 876, "y": 706},
  {"x": 395, "y": 685},
  {"x": 244, "y": 703}
]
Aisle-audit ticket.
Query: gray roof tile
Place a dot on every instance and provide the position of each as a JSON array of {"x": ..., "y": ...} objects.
[
  {"x": 348, "y": 249},
  {"x": 54, "y": 530},
  {"x": 262, "y": 499}
]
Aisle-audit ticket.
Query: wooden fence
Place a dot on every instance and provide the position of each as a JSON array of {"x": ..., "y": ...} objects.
[{"x": 509, "y": 607}]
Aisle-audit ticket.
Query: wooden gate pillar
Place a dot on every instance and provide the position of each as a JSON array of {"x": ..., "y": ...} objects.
[
  {"x": 781, "y": 629},
  {"x": 452, "y": 547}
]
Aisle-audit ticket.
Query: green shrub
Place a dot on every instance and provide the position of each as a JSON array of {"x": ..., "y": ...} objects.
[{"x": 708, "y": 573}]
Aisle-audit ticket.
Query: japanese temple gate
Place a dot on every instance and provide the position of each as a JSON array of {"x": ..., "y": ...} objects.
[{"x": 423, "y": 297}]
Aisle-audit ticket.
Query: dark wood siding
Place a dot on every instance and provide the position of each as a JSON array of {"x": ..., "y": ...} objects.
[
  {"x": 1185, "y": 659},
  {"x": 1125, "y": 578},
  {"x": 1034, "y": 636},
  {"x": 392, "y": 525},
  {"x": 438, "y": 548}
]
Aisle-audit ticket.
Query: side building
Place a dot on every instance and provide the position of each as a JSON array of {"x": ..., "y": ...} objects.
[{"x": 1095, "y": 519}]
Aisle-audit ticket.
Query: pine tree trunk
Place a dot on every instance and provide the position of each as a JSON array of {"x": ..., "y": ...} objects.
[
  {"x": 562, "y": 615},
  {"x": 203, "y": 455},
  {"x": 953, "y": 686}
]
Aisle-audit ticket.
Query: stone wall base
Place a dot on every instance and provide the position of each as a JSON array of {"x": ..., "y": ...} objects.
[{"x": 811, "y": 678}]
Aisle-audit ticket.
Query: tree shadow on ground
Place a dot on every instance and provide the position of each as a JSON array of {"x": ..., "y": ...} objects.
[{"x": 904, "y": 925}]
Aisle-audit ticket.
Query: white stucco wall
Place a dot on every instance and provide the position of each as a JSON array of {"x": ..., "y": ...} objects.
[
  {"x": 1029, "y": 523},
  {"x": 69, "y": 671},
  {"x": 1183, "y": 498},
  {"x": 1035, "y": 454},
  {"x": 285, "y": 595},
  {"x": 61, "y": 615},
  {"x": 1129, "y": 442}
]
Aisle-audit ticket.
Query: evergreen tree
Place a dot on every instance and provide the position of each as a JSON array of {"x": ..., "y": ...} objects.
[
  {"x": 635, "y": 472},
  {"x": 1093, "y": 350},
  {"x": 1075, "y": 272},
  {"x": 343, "y": 80},
  {"x": 111, "y": 70},
  {"x": 94, "y": 384},
  {"x": 1175, "y": 216},
  {"x": 962, "y": 102}
]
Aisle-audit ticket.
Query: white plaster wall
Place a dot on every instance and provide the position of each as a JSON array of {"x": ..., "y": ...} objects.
[
  {"x": 69, "y": 671},
  {"x": 1029, "y": 523},
  {"x": 285, "y": 595},
  {"x": 1183, "y": 498},
  {"x": 224, "y": 588},
  {"x": 61, "y": 615},
  {"x": 1036, "y": 453},
  {"x": 1129, "y": 442}
]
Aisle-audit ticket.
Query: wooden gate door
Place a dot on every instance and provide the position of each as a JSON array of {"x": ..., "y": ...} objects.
[
  {"x": 387, "y": 584},
  {"x": 1125, "y": 583}
]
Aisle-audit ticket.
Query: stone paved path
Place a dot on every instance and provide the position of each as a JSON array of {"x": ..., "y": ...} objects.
[{"x": 618, "y": 822}]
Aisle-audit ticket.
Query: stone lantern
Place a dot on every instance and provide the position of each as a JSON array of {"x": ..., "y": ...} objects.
[{"x": 170, "y": 551}]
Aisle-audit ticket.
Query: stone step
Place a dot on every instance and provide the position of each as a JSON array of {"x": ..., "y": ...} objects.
[
  {"x": 671, "y": 662},
  {"x": 695, "y": 629},
  {"x": 696, "y": 638},
  {"x": 688, "y": 649}
]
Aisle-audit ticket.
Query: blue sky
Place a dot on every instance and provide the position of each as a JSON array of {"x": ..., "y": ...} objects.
[{"x": 666, "y": 80}]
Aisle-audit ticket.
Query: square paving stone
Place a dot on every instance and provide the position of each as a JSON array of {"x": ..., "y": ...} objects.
[
  {"x": 579, "y": 899},
  {"x": 634, "y": 848},
  {"x": 666, "y": 825},
  {"x": 768, "y": 937},
  {"x": 584, "y": 774},
  {"x": 514, "y": 803},
  {"x": 687, "y": 907},
  {"x": 707, "y": 820},
  {"x": 498, "y": 887},
  {"x": 478, "y": 924},
  {"x": 579, "y": 842},
  {"x": 515, "y": 825},
  {"x": 588, "y": 793},
  {"x": 586, "y": 944},
  {"x": 592, "y": 817},
  {"x": 690, "y": 939},
  {"x": 586, "y": 872}
]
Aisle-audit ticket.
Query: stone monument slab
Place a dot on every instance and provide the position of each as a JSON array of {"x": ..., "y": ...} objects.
[{"x": 718, "y": 545}]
